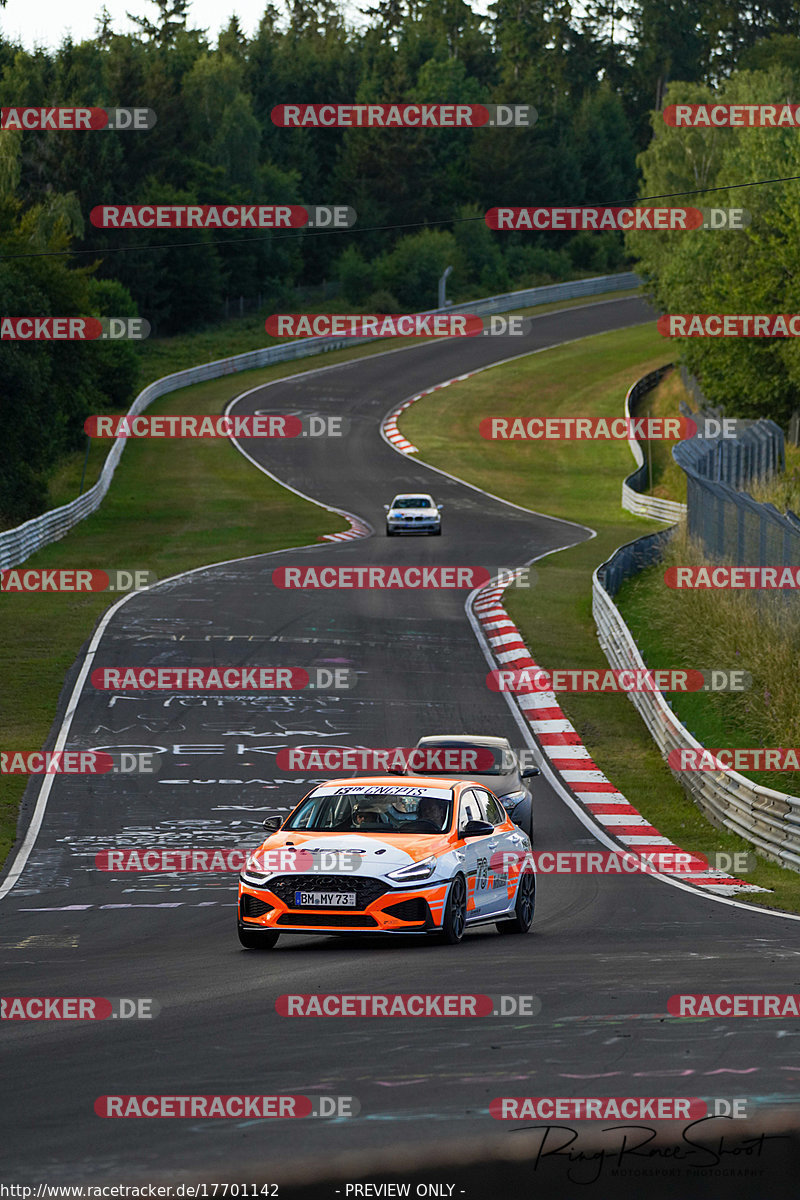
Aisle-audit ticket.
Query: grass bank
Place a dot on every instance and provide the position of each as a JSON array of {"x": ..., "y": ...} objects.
[
  {"x": 579, "y": 481},
  {"x": 708, "y": 629}
]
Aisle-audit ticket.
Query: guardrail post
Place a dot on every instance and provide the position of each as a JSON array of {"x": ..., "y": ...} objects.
[
  {"x": 794, "y": 428},
  {"x": 443, "y": 286}
]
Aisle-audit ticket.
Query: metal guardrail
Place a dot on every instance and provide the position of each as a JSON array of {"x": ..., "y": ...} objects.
[
  {"x": 733, "y": 526},
  {"x": 632, "y": 558},
  {"x": 632, "y": 498},
  {"x": 768, "y": 819},
  {"x": 728, "y": 522},
  {"x": 18, "y": 544},
  {"x": 655, "y": 507},
  {"x": 756, "y": 452}
]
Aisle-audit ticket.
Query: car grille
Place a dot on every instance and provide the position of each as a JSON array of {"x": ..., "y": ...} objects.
[
  {"x": 314, "y": 917},
  {"x": 366, "y": 889},
  {"x": 409, "y": 910},
  {"x": 253, "y": 907}
]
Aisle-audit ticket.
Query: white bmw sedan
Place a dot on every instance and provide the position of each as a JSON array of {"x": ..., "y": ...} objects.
[{"x": 415, "y": 512}]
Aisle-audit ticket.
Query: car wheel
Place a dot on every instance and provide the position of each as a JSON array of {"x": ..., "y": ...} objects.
[
  {"x": 437, "y": 532},
  {"x": 389, "y": 532},
  {"x": 455, "y": 912},
  {"x": 523, "y": 909},
  {"x": 257, "y": 939}
]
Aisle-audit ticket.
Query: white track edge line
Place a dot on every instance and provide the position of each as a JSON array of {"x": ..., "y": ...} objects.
[
  {"x": 23, "y": 852},
  {"x": 19, "y": 862},
  {"x": 478, "y": 371}
]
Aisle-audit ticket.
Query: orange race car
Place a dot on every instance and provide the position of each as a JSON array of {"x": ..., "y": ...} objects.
[{"x": 376, "y": 855}]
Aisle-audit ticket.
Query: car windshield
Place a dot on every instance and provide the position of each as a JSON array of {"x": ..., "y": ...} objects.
[
  {"x": 411, "y": 502},
  {"x": 386, "y": 810},
  {"x": 488, "y": 760}
]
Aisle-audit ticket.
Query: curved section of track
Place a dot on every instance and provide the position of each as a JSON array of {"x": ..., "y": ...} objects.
[{"x": 605, "y": 955}]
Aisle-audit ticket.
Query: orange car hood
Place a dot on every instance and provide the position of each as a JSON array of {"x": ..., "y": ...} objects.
[{"x": 379, "y": 852}]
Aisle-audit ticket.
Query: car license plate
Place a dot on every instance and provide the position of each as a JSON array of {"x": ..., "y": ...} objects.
[{"x": 325, "y": 899}]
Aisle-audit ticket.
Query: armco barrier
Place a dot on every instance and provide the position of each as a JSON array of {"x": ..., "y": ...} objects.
[
  {"x": 768, "y": 819},
  {"x": 730, "y": 524},
  {"x": 756, "y": 452},
  {"x": 18, "y": 544},
  {"x": 723, "y": 518},
  {"x": 632, "y": 486}
]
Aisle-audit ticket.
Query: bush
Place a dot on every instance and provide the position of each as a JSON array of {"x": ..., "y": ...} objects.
[
  {"x": 600, "y": 252},
  {"x": 484, "y": 263},
  {"x": 413, "y": 269},
  {"x": 529, "y": 266},
  {"x": 382, "y": 302},
  {"x": 356, "y": 275},
  {"x": 116, "y": 364}
]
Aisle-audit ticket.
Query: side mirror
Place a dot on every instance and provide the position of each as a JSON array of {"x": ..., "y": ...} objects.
[
  {"x": 529, "y": 772},
  {"x": 476, "y": 829},
  {"x": 387, "y": 507},
  {"x": 272, "y": 823},
  {"x": 440, "y": 507}
]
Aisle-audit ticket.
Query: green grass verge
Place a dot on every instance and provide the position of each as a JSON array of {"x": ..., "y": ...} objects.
[
  {"x": 579, "y": 481},
  {"x": 741, "y": 630},
  {"x": 658, "y": 633}
]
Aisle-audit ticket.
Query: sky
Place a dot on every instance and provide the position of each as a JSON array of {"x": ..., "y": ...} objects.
[{"x": 46, "y": 22}]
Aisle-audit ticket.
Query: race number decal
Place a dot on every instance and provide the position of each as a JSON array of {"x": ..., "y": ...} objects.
[{"x": 482, "y": 875}]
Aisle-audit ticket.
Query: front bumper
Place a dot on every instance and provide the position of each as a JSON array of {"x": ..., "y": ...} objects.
[
  {"x": 413, "y": 526},
  {"x": 411, "y": 910}
]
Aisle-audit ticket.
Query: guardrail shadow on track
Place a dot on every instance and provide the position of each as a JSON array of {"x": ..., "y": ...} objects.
[{"x": 755, "y": 1156}]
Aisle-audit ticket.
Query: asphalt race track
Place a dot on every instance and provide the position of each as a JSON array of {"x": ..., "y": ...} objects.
[{"x": 604, "y": 954}]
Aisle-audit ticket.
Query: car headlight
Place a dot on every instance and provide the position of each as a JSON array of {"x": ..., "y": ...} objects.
[
  {"x": 251, "y": 874},
  {"x": 252, "y": 878},
  {"x": 415, "y": 872},
  {"x": 512, "y": 799}
]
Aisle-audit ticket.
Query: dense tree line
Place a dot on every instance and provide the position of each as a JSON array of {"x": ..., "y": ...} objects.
[
  {"x": 594, "y": 78},
  {"x": 751, "y": 270},
  {"x": 47, "y": 389}
]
